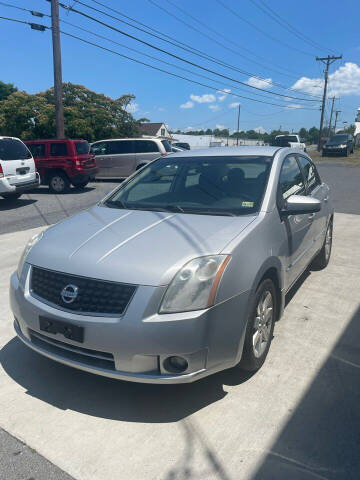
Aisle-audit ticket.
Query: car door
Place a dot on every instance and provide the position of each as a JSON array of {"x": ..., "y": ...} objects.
[
  {"x": 122, "y": 157},
  {"x": 291, "y": 182},
  {"x": 146, "y": 151},
  {"x": 316, "y": 189},
  {"x": 58, "y": 155},
  {"x": 102, "y": 158},
  {"x": 39, "y": 153}
]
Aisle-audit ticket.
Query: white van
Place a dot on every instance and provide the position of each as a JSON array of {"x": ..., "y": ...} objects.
[
  {"x": 17, "y": 168},
  {"x": 120, "y": 157}
]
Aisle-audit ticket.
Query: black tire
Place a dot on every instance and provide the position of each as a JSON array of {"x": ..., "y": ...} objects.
[
  {"x": 346, "y": 152},
  {"x": 323, "y": 257},
  {"x": 250, "y": 360},
  {"x": 80, "y": 186},
  {"x": 11, "y": 197},
  {"x": 58, "y": 183}
]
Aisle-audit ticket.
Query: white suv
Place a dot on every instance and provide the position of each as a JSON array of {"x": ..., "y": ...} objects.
[
  {"x": 120, "y": 157},
  {"x": 17, "y": 168}
]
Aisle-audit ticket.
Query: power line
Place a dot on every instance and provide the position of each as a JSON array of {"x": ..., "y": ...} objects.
[
  {"x": 34, "y": 26},
  {"x": 176, "y": 43},
  {"x": 260, "y": 29},
  {"x": 284, "y": 23},
  {"x": 178, "y": 57},
  {"x": 218, "y": 33}
]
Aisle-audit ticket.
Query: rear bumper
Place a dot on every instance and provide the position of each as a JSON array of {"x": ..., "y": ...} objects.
[
  {"x": 84, "y": 175},
  {"x": 7, "y": 188}
]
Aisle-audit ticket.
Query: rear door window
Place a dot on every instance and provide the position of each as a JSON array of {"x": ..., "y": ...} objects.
[
  {"x": 120, "y": 147},
  {"x": 58, "y": 149},
  {"x": 37, "y": 149},
  {"x": 12, "y": 149},
  {"x": 99, "y": 148},
  {"x": 166, "y": 145},
  {"x": 146, "y": 146}
]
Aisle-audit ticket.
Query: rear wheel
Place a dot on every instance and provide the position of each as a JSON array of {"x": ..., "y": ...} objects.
[
  {"x": 322, "y": 258},
  {"x": 260, "y": 327},
  {"x": 59, "y": 183},
  {"x": 11, "y": 196}
]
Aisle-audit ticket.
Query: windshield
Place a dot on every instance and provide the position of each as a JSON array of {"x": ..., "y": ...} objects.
[
  {"x": 203, "y": 185},
  {"x": 11, "y": 149},
  {"x": 335, "y": 139},
  {"x": 82, "y": 148}
]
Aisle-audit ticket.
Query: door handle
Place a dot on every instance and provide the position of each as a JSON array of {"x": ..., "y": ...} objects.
[{"x": 311, "y": 216}]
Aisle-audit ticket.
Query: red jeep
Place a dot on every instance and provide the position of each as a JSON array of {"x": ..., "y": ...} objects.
[{"x": 63, "y": 162}]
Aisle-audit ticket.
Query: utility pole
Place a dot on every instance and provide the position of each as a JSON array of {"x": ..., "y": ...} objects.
[
  {"x": 331, "y": 114},
  {"x": 59, "y": 110},
  {"x": 238, "y": 126},
  {"x": 336, "y": 115},
  {"x": 327, "y": 61}
]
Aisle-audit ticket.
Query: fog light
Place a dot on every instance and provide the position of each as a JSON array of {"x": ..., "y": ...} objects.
[{"x": 175, "y": 364}]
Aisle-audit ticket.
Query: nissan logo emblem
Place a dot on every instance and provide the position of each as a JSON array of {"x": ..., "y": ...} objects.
[{"x": 69, "y": 293}]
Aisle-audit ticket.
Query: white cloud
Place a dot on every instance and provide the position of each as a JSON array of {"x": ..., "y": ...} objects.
[
  {"x": 214, "y": 108},
  {"x": 224, "y": 93},
  {"x": 206, "y": 98},
  {"x": 161, "y": 109},
  {"x": 234, "y": 105},
  {"x": 189, "y": 129},
  {"x": 292, "y": 106},
  {"x": 187, "y": 104},
  {"x": 259, "y": 83},
  {"x": 220, "y": 127},
  {"x": 132, "y": 107},
  {"x": 260, "y": 129},
  {"x": 344, "y": 81}
]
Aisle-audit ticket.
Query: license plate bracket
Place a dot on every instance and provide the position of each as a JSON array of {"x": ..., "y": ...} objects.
[{"x": 68, "y": 330}]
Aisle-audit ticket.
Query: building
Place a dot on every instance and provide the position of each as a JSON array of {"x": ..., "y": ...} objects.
[
  {"x": 205, "y": 141},
  {"x": 155, "y": 130}
]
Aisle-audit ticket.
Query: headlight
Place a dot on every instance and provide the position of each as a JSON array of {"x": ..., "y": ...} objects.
[
  {"x": 194, "y": 286},
  {"x": 33, "y": 241},
  {"x": 343, "y": 146}
]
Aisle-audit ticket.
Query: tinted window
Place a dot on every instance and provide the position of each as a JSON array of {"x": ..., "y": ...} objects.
[
  {"x": 145, "y": 146},
  {"x": 203, "y": 185},
  {"x": 11, "y": 149},
  {"x": 99, "y": 148},
  {"x": 37, "y": 149},
  {"x": 291, "y": 179},
  {"x": 58, "y": 149},
  {"x": 167, "y": 145},
  {"x": 310, "y": 173},
  {"x": 338, "y": 139},
  {"x": 118, "y": 147},
  {"x": 82, "y": 148}
]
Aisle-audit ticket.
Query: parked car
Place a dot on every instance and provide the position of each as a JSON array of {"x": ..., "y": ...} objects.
[
  {"x": 17, "y": 168},
  {"x": 183, "y": 145},
  {"x": 341, "y": 143},
  {"x": 181, "y": 271},
  {"x": 62, "y": 163},
  {"x": 292, "y": 141},
  {"x": 120, "y": 157}
]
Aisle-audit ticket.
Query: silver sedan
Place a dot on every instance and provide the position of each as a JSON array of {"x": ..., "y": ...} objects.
[{"x": 181, "y": 271}]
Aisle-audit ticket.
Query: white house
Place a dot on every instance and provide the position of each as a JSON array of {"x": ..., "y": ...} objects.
[{"x": 155, "y": 130}]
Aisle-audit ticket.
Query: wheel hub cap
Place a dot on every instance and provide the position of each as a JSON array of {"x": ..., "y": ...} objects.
[{"x": 262, "y": 323}]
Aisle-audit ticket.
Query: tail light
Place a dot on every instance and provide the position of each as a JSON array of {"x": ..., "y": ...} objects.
[
  {"x": 1, "y": 171},
  {"x": 163, "y": 154}
]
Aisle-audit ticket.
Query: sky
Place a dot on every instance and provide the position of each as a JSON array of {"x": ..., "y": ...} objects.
[{"x": 273, "y": 50}]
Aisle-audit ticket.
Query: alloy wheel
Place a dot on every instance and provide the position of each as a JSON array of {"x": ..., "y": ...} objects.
[{"x": 263, "y": 323}]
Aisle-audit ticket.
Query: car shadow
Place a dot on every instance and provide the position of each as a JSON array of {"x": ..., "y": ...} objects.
[
  {"x": 71, "y": 389},
  {"x": 7, "y": 204},
  {"x": 73, "y": 191}
]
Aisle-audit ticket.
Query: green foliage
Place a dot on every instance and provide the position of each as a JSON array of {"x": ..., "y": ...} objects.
[
  {"x": 6, "y": 89},
  {"x": 87, "y": 114}
]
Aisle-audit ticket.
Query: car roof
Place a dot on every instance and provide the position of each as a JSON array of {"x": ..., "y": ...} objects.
[
  {"x": 56, "y": 140},
  {"x": 8, "y": 137},
  {"x": 243, "y": 150},
  {"x": 137, "y": 138}
]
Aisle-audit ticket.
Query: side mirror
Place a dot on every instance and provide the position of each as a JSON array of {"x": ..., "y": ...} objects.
[{"x": 298, "y": 204}]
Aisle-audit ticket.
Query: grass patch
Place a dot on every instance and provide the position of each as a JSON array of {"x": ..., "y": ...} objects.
[{"x": 352, "y": 159}]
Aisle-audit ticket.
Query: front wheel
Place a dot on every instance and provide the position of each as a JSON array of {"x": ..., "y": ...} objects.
[
  {"x": 322, "y": 258},
  {"x": 260, "y": 327}
]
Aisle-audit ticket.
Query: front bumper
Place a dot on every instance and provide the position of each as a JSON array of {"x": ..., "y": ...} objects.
[
  {"x": 29, "y": 183},
  {"x": 135, "y": 346},
  {"x": 334, "y": 151}
]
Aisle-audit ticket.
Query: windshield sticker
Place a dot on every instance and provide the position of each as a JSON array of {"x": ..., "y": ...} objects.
[{"x": 247, "y": 204}]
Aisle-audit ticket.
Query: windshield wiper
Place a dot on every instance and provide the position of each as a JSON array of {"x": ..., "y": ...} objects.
[{"x": 116, "y": 204}]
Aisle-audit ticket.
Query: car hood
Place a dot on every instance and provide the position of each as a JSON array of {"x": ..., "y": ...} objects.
[{"x": 139, "y": 247}]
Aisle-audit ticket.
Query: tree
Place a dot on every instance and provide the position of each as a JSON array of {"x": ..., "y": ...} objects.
[
  {"x": 88, "y": 115},
  {"x": 6, "y": 89},
  {"x": 303, "y": 133}
]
